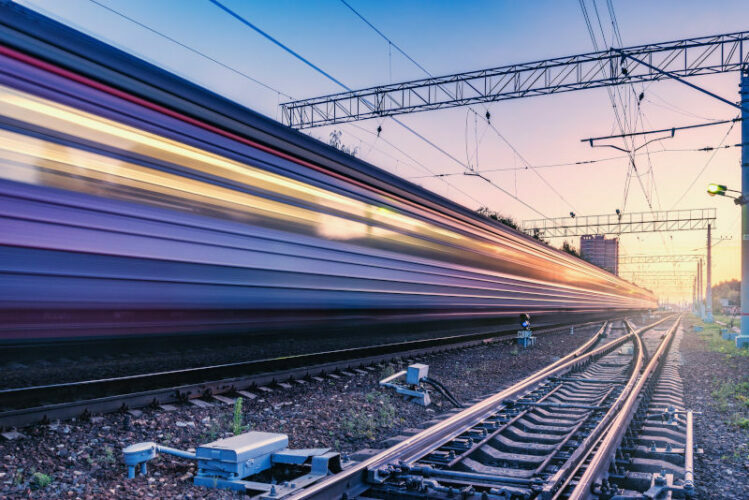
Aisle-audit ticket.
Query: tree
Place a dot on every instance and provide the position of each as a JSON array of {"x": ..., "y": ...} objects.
[
  {"x": 507, "y": 221},
  {"x": 729, "y": 290},
  {"x": 491, "y": 214},
  {"x": 336, "y": 142},
  {"x": 567, "y": 247}
]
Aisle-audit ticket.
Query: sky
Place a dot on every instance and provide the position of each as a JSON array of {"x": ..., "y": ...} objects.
[{"x": 448, "y": 37}]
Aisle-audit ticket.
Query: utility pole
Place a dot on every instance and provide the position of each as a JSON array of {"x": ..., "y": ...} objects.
[
  {"x": 700, "y": 282},
  {"x": 744, "y": 337},
  {"x": 709, "y": 290},
  {"x": 694, "y": 295}
]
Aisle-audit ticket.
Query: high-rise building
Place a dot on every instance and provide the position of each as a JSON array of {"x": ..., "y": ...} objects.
[{"x": 601, "y": 251}]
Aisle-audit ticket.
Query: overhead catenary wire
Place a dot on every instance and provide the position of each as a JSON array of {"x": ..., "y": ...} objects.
[
  {"x": 191, "y": 49},
  {"x": 248, "y": 77},
  {"x": 298, "y": 56},
  {"x": 468, "y": 167},
  {"x": 622, "y": 123},
  {"x": 630, "y": 124},
  {"x": 707, "y": 164},
  {"x": 704, "y": 149}
]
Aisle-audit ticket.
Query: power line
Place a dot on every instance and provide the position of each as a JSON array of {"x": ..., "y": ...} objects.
[
  {"x": 467, "y": 167},
  {"x": 276, "y": 42},
  {"x": 491, "y": 125},
  {"x": 658, "y": 131},
  {"x": 703, "y": 149},
  {"x": 623, "y": 124},
  {"x": 336, "y": 81},
  {"x": 244, "y": 75},
  {"x": 392, "y": 43},
  {"x": 191, "y": 49},
  {"x": 707, "y": 163}
]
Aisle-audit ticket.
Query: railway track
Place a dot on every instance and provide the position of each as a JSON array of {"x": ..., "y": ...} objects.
[
  {"x": 607, "y": 419},
  {"x": 38, "y": 404}
]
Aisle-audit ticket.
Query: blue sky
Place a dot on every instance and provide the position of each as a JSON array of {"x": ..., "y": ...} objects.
[{"x": 447, "y": 37}]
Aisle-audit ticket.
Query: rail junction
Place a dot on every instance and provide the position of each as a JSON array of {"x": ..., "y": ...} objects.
[{"x": 606, "y": 420}]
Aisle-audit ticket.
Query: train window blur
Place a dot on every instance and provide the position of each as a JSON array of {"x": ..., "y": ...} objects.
[{"x": 293, "y": 206}]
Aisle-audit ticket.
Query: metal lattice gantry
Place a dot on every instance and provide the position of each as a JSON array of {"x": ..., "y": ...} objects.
[
  {"x": 642, "y": 63},
  {"x": 658, "y": 259},
  {"x": 629, "y": 222},
  {"x": 650, "y": 277}
]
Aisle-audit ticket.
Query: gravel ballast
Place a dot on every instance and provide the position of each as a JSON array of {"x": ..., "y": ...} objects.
[
  {"x": 82, "y": 459},
  {"x": 716, "y": 384}
]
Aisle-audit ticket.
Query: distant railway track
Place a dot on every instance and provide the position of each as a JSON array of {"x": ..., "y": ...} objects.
[
  {"x": 29, "y": 405},
  {"x": 553, "y": 435}
]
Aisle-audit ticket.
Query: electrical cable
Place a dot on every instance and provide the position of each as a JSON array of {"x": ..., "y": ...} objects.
[
  {"x": 392, "y": 43},
  {"x": 238, "y": 72},
  {"x": 445, "y": 392},
  {"x": 704, "y": 167},
  {"x": 502, "y": 137},
  {"x": 277, "y": 42},
  {"x": 339, "y": 83},
  {"x": 467, "y": 166},
  {"x": 191, "y": 49},
  {"x": 623, "y": 129}
]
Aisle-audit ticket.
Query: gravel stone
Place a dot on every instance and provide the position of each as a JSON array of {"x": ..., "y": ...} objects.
[
  {"x": 346, "y": 414},
  {"x": 722, "y": 471}
]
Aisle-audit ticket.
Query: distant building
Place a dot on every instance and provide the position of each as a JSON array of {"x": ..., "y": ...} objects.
[{"x": 601, "y": 251}]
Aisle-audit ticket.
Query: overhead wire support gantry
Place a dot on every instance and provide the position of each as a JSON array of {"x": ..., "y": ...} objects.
[
  {"x": 629, "y": 222},
  {"x": 658, "y": 259},
  {"x": 642, "y": 63}
]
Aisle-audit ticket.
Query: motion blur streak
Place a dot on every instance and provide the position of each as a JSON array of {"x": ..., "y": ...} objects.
[{"x": 118, "y": 219}]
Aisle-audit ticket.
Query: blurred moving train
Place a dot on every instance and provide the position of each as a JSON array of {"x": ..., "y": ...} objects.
[{"x": 133, "y": 202}]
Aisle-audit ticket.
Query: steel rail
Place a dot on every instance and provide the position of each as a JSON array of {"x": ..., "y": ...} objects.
[
  {"x": 689, "y": 453},
  {"x": 601, "y": 460},
  {"x": 174, "y": 388},
  {"x": 556, "y": 484},
  {"x": 353, "y": 479}
]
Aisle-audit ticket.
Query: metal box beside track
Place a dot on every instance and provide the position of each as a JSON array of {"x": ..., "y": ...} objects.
[{"x": 242, "y": 455}]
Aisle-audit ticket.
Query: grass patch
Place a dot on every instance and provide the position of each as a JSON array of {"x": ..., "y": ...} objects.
[
  {"x": 732, "y": 394},
  {"x": 108, "y": 457},
  {"x": 711, "y": 334},
  {"x": 739, "y": 421},
  {"x": 39, "y": 481},
  {"x": 378, "y": 412}
]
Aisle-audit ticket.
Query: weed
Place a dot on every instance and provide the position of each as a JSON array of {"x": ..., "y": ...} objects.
[
  {"x": 364, "y": 423},
  {"x": 514, "y": 351},
  {"x": 387, "y": 371},
  {"x": 39, "y": 481},
  {"x": 731, "y": 394},
  {"x": 236, "y": 424},
  {"x": 212, "y": 433},
  {"x": 108, "y": 457},
  {"x": 739, "y": 421}
]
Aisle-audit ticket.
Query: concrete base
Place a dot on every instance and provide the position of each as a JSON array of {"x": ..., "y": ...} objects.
[
  {"x": 730, "y": 335},
  {"x": 742, "y": 341}
]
